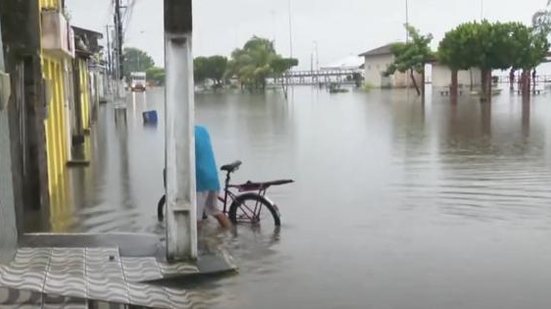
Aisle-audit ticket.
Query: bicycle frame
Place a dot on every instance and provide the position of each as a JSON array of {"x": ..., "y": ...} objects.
[
  {"x": 229, "y": 195},
  {"x": 247, "y": 191}
]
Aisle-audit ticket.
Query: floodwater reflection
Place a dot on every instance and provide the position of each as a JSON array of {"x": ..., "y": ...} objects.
[{"x": 397, "y": 203}]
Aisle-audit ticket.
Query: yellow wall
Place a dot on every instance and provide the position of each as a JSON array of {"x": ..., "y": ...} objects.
[
  {"x": 56, "y": 123},
  {"x": 49, "y": 4},
  {"x": 57, "y": 144},
  {"x": 84, "y": 93}
]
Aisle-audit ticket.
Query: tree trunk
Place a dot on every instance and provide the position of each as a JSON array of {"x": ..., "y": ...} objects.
[
  {"x": 525, "y": 83},
  {"x": 414, "y": 82},
  {"x": 486, "y": 91},
  {"x": 533, "y": 80},
  {"x": 454, "y": 86},
  {"x": 423, "y": 84},
  {"x": 512, "y": 79}
]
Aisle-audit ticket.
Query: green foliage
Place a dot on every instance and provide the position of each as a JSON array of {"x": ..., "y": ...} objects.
[
  {"x": 200, "y": 69},
  {"x": 412, "y": 55},
  {"x": 156, "y": 75},
  {"x": 490, "y": 46},
  {"x": 213, "y": 68},
  {"x": 367, "y": 87},
  {"x": 256, "y": 61},
  {"x": 216, "y": 67},
  {"x": 136, "y": 60},
  {"x": 541, "y": 20},
  {"x": 528, "y": 47},
  {"x": 282, "y": 65}
]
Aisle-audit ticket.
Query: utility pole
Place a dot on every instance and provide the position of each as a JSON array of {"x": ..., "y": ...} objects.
[
  {"x": 290, "y": 32},
  {"x": 109, "y": 64},
  {"x": 181, "y": 219},
  {"x": 118, "y": 40},
  {"x": 407, "y": 21},
  {"x": 317, "y": 55}
]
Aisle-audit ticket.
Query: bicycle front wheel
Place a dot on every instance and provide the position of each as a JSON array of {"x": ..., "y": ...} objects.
[{"x": 254, "y": 209}]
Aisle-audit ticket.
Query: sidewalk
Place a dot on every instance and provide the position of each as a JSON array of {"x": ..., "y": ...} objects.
[{"x": 90, "y": 268}]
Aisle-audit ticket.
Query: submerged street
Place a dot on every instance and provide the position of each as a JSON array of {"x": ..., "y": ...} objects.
[{"x": 397, "y": 204}]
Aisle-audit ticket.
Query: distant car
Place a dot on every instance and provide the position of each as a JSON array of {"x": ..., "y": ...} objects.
[
  {"x": 138, "y": 81},
  {"x": 138, "y": 87}
]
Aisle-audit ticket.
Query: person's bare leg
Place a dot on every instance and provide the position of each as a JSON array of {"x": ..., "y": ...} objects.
[{"x": 223, "y": 220}]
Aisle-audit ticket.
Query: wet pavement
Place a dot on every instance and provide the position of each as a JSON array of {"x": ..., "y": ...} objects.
[{"x": 397, "y": 204}]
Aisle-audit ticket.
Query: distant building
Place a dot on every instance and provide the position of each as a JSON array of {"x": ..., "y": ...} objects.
[
  {"x": 352, "y": 62},
  {"x": 87, "y": 81},
  {"x": 376, "y": 62},
  {"x": 442, "y": 76}
]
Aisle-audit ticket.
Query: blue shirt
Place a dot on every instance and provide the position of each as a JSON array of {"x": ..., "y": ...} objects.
[{"x": 206, "y": 172}]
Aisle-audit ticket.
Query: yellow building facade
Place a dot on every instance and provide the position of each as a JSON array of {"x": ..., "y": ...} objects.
[{"x": 59, "y": 122}]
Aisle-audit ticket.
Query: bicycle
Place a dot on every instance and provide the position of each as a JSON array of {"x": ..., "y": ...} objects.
[{"x": 246, "y": 205}]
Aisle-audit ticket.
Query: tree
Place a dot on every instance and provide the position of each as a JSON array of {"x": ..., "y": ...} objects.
[
  {"x": 216, "y": 67},
  {"x": 280, "y": 66},
  {"x": 412, "y": 56},
  {"x": 213, "y": 68},
  {"x": 200, "y": 69},
  {"x": 491, "y": 46},
  {"x": 541, "y": 20},
  {"x": 452, "y": 52},
  {"x": 156, "y": 75},
  {"x": 136, "y": 60},
  {"x": 529, "y": 49},
  {"x": 256, "y": 61}
]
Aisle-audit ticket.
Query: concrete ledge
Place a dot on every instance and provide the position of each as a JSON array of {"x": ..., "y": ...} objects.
[{"x": 129, "y": 244}]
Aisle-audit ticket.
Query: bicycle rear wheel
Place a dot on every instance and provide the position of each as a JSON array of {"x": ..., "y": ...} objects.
[{"x": 254, "y": 209}]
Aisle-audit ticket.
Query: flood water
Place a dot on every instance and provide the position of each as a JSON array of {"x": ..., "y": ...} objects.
[{"x": 397, "y": 204}]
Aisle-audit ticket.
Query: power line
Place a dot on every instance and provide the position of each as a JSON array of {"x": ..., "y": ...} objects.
[
  {"x": 109, "y": 12},
  {"x": 128, "y": 15}
]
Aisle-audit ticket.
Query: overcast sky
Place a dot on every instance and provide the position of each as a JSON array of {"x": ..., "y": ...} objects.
[{"x": 340, "y": 28}]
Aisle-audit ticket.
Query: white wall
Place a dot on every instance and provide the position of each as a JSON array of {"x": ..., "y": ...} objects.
[
  {"x": 442, "y": 76},
  {"x": 374, "y": 68}
]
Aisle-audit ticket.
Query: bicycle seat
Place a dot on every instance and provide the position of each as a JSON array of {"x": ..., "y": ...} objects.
[{"x": 232, "y": 167}]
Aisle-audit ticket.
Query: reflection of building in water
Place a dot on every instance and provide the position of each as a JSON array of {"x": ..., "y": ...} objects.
[{"x": 120, "y": 117}]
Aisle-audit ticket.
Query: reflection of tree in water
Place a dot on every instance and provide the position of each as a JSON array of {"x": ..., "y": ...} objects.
[
  {"x": 486, "y": 119},
  {"x": 466, "y": 128},
  {"x": 410, "y": 129},
  {"x": 526, "y": 109}
]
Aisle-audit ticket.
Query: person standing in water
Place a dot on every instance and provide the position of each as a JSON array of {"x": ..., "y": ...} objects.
[{"x": 208, "y": 183}]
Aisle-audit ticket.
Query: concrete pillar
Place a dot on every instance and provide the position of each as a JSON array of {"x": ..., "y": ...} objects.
[
  {"x": 8, "y": 226},
  {"x": 180, "y": 144}
]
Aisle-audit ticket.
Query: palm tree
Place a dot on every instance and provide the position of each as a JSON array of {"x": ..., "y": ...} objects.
[{"x": 541, "y": 20}]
